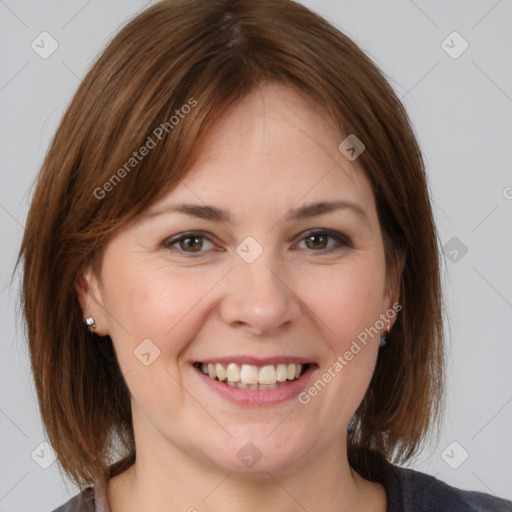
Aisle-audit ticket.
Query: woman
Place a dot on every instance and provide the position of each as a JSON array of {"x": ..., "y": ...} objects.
[{"x": 231, "y": 274}]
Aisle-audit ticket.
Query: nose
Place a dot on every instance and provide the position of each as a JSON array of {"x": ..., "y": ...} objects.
[{"x": 259, "y": 296}]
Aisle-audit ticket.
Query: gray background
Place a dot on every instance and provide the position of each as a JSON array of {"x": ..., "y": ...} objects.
[{"x": 461, "y": 109}]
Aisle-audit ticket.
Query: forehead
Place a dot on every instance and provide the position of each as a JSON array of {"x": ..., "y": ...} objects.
[{"x": 275, "y": 148}]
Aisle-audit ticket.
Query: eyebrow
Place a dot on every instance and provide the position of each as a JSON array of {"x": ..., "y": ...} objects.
[{"x": 216, "y": 214}]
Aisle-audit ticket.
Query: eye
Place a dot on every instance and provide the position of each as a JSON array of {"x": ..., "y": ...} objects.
[
  {"x": 317, "y": 239},
  {"x": 189, "y": 243}
]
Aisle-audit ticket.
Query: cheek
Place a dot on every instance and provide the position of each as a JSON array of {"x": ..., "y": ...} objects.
[
  {"x": 152, "y": 299},
  {"x": 347, "y": 302},
  {"x": 157, "y": 302},
  {"x": 347, "y": 298}
]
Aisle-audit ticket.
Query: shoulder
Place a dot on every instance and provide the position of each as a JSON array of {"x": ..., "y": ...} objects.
[
  {"x": 409, "y": 490},
  {"x": 414, "y": 491},
  {"x": 82, "y": 502}
]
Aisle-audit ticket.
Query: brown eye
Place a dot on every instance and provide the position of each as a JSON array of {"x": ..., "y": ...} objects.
[
  {"x": 187, "y": 244},
  {"x": 191, "y": 242},
  {"x": 317, "y": 241}
]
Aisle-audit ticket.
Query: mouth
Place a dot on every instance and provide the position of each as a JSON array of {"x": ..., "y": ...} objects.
[{"x": 252, "y": 376}]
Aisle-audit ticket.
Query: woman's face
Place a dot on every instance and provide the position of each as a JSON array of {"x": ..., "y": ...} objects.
[{"x": 257, "y": 289}]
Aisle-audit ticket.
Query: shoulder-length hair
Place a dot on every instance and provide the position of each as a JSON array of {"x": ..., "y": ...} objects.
[{"x": 207, "y": 55}]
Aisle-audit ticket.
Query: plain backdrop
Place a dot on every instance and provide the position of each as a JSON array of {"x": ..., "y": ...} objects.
[{"x": 460, "y": 102}]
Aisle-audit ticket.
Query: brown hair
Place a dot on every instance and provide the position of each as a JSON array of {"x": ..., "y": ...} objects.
[{"x": 173, "y": 54}]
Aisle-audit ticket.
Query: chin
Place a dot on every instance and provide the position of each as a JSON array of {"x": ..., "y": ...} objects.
[{"x": 257, "y": 458}]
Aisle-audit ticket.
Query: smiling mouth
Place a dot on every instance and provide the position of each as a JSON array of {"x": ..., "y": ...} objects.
[{"x": 248, "y": 376}]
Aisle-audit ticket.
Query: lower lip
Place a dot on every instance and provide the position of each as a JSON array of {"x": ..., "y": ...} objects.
[{"x": 259, "y": 397}]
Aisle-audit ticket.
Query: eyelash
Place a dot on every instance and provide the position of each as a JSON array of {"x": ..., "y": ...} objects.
[{"x": 168, "y": 243}]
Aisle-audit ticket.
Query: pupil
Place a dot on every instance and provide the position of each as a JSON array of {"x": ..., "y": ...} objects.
[
  {"x": 191, "y": 245},
  {"x": 314, "y": 237}
]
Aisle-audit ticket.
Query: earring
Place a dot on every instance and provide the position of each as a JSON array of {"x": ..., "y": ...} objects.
[
  {"x": 382, "y": 341},
  {"x": 89, "y": 323}
]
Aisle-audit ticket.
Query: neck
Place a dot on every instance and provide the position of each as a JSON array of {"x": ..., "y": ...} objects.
[{"x": 167, "y": 478}]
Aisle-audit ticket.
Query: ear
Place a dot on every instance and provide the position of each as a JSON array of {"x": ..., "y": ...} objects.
[{"x": 91, "y": 301}]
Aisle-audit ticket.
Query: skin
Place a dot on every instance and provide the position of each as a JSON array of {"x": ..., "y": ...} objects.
[{"x": 273, "y": 151}]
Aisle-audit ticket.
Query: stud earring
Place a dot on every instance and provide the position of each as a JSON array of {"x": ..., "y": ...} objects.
[
  {"x": 89, "y": 323},
  {"x": 382, "y": 341}
]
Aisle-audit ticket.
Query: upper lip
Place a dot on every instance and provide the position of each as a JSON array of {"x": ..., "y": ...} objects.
[{"x": 257, "y": 361}]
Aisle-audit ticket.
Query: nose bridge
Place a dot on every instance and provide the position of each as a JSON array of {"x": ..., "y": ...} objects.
[
  {"x": 258, "y": 295},
  {"x": 258, "y": 274}
]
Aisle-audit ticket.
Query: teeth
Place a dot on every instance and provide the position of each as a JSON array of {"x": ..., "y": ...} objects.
[
  {"x": 233, "y": 372},
  {"x": 282, "y": 373},
  {"x": 221, "y": 372},
  {"x": 212, "y": 371},
  {"x": 267, "y": 374},
  {"x": 248, "y": 376},
  {"x": 256, "y": 386}
]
